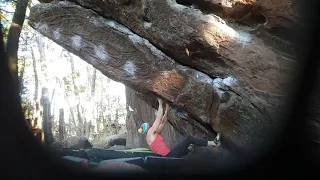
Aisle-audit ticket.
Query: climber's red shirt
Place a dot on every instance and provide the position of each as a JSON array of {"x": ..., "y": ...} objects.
[{"x": 159, "y": 146}]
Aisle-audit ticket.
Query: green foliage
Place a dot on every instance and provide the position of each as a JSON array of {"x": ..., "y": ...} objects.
[
  {"x": 13, "y": 2},
  {"x": 26, "y": 105},
  {"x": 5, "y": 18},
  {"x": 67, "y": 85},
  {"x": 20, "y": 63},
  {"x": 5, "y": 27},
  {"x": 76, "y": 75},
  {"x": 82, "y": 88}
]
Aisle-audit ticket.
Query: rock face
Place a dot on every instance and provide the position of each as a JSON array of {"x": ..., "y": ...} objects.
[
  {"x": 118, "y": 139},
  {"x": 73, "y": 142},
  {"x": 223, "y": 66}
]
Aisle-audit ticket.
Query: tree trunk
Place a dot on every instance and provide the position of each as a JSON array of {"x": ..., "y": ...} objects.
[
  {"x": 36, "y": 113},
  {"x": 93, "y": 85},
  {"x": 41, "y": 48},
  {"x": 47, "y": 119},
  {"x": 101, "y": 112},
  {"x": 36, "y": 81},
  {"x": 62, "y": 130},
  {"x": 98, "y": 119},
  {"x": 88, "y": 130},
  {"x": 92, "y": 96},
  {"x": 93, "y": 90},
  {"x": 43, "y": 61},
  {"x": 52, "y": 101},
  {"x": 76, "y": 126},
  {"x": 21, "y": 85},
  {"x": 43, "y": 73},
  {"x": 116, "y": 117},
  {"x": 76, "y": 94},
  {"x": 218, "y": 74},
  {"x": 13, "y": 40}
]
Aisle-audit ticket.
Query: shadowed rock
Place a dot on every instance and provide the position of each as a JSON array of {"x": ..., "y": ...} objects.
[
  {"x": 118, "y": 139},
  {"x": 73, "y": 142}
]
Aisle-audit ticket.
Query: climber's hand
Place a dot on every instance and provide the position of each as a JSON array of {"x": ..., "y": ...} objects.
[
  {"x": 168, "y": 108},
  {"x": 160, "y": 101}
]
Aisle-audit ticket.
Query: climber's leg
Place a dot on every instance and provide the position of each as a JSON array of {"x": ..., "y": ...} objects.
[{"x": 181, "y": 148}]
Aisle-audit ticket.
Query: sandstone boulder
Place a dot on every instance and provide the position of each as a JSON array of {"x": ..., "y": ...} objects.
[
  {"x": 118, "y": 139},
  {"x": 74, "y": 143},
  {"x": 228, "y": 68}
]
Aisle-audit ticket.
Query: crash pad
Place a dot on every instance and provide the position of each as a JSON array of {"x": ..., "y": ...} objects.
[
  {"x": 80, "y": 160},
  {"x": 98, "y": 155},
  {"x": 136, "y": 160},
  {"x": 146, "y": 150},
  {"x": 163, "y": 161}
]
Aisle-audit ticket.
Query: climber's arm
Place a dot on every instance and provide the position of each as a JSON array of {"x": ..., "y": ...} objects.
[
  {"x": 164, "y": 120},
  {"x": 158, "y": 118}
]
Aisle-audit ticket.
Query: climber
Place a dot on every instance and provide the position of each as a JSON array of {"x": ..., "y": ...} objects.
[{"x": 157, "y": 144}]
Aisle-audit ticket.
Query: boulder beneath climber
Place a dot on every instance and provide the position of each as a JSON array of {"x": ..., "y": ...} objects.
[
  {"x": 118, "y": 139},
  {"x": 73, "y": 142}
]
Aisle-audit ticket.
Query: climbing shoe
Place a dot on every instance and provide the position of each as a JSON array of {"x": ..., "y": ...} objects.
[
  {"x": 191, "y": 148},
  {"x": 217, "y": 140}
]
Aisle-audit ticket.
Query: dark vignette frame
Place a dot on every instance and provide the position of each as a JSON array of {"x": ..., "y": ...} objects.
[{"x": 24, "y": 158}]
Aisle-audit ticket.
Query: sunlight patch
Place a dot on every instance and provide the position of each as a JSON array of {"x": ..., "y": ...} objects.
[
  {"x": 219, "y": 92},
  {"x": 100, "y": 22},
  {"x": 217, "y": 82},
  {"x": 65, "y": 3},
  {"x": 41, "y": 27},
  {"x": 147, "y": 25},
  {"x": 130, "y": 68},
  {"x": 95, "y": 21},
  {"x": 135, "y": 39},
  {"x": 76, "y": 42},
  {"x": 202, "y": 77},
  {"x": 101, "y": 53},
  {"x": 228, "y": 81},
  {"x": 178, "y": 7},
  {"x": 159, "y": 54},
  {"x": 220, "y": 83},
  {"x": 130, "y": 109},
  {"x": 116, "y": 26},
  {"x": 212, "y": 19},
  {"x": 57, "y": 34},
  {"x": 244, "y": 37}
]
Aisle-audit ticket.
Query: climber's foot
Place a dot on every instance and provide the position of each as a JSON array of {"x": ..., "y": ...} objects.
[
  {"x": 191, "y": 148},
  {"x": 216, "y": 142}
]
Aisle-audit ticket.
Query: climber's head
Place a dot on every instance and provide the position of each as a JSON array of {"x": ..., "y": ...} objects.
[{"x": 144, "y": 128}]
